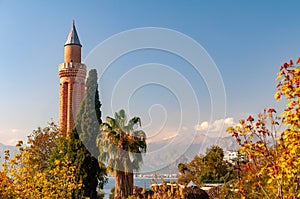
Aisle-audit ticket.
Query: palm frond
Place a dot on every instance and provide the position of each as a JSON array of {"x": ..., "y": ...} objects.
[
  {"x": 111, "y": 122},
  {"x": 139, "y": 134},
  {"x": 103, "y": 157},
  {"x": 137, "y": 160},
  {"x": 133, "y": 122},
  {"x": 113, "y": 150},
  {"x": 111, "y": 134},
  {"x": 120, "y": 143}
]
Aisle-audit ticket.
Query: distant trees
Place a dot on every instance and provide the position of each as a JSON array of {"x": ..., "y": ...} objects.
[
  {"x": 216, "y": 167},
  {"x": 208, "y": 167},
  {"x": 272, "y": 144},
  {"x": 121, "y": 145}
]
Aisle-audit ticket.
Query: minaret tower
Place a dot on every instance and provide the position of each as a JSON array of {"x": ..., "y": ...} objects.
[{"x": 72, "y": 74}]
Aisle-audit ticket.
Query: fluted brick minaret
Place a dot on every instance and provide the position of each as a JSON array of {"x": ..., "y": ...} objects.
[{"x": 72, "y": 74}]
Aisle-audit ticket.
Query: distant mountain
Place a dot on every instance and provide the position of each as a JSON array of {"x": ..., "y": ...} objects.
[
  {"x": 163, "y": 156},
  {"x": 227, "y": 143}
]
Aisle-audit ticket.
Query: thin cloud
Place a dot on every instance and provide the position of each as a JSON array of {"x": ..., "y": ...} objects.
[{"x": 12, "y": 136}]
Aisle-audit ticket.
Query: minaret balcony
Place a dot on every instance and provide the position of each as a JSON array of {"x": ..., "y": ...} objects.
[
  {"x": 71, "y": 65},
  {"x": 72, "y": 69}
]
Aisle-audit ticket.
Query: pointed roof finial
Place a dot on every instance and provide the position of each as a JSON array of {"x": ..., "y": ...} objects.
[{"x": 73, "y": 37}]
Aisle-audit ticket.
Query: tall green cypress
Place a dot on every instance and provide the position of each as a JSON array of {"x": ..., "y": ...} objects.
[
  {"x": 82, "y": 146},
  {"x": 87, "y": 167},
  {"x": 88, "y": 118}
]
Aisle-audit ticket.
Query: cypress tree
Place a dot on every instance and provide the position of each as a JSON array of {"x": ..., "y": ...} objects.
[
  {"x": 88, "y": 118},
  {"x": 87, "y": 167}
]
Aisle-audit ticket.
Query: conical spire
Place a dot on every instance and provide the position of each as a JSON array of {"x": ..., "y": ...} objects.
[{"x": 73, "y": 37}]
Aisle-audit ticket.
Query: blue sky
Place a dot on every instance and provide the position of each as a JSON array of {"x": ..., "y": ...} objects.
[{"x": 247, "y": 40}]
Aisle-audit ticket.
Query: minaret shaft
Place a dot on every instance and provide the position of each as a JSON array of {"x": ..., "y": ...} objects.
[
  {"x": 72, "y": 74},
  {"x": 72, "y": 53}
]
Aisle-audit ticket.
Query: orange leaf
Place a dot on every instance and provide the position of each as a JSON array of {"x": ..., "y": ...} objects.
[
  {"x": 250, "y": 118},
  {"x": 281, "y": 67},
  {"x": 235, "y": 134},
  {"x": 271, "y": 110}
]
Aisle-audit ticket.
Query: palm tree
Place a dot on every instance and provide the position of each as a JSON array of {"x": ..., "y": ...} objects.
[{"x": 121, "y": 145}]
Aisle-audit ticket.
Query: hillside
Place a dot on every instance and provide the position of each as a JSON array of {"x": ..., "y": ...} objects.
[{"x": 163, "y": 156}]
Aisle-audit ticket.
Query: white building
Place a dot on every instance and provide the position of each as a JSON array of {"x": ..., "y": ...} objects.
[{"x": 230, "y": 155}]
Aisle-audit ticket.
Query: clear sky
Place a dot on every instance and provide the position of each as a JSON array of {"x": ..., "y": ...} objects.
[{"x": 247, "y": 41}]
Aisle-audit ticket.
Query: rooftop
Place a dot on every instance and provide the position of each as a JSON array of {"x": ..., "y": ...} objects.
[{"x": 73, "y": 38}]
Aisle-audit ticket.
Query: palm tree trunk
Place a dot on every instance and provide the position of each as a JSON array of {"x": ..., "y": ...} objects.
[
  {"x": 120, "y": 189},
  {"x": 120, "y": 185},
  {"x": 124, "y": 180},
  {"x": 129, "y": 175},
  {"x": 130, "y": 183}
]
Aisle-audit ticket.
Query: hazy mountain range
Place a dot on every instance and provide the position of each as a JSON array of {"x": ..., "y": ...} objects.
[{"x": 163, "y": 156}]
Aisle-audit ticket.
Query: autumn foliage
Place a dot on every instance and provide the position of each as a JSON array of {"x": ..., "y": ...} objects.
[
  {"x": 271, "y": 143},
  {"x": 28, "y": 174}
]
